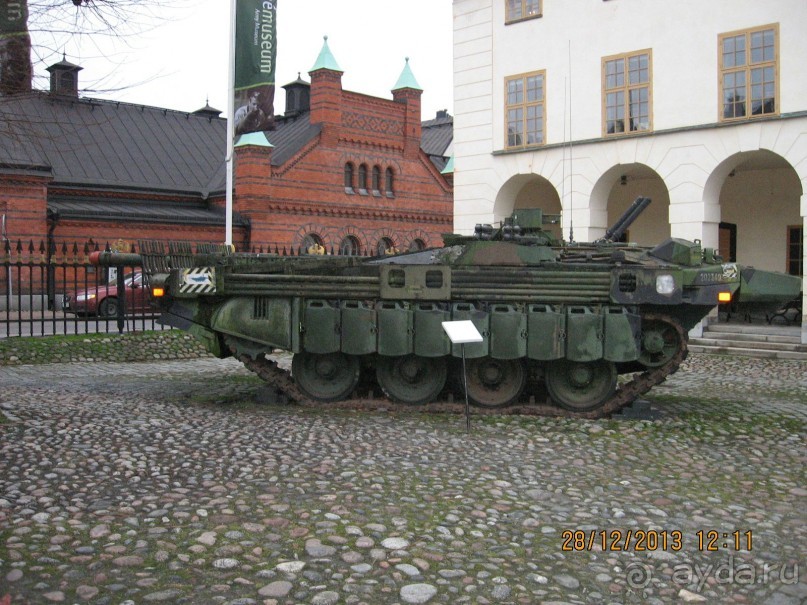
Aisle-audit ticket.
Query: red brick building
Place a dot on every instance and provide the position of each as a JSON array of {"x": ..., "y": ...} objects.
[
  {"x": 346, "y": 171},
  {"x": 341, "y": 169}
]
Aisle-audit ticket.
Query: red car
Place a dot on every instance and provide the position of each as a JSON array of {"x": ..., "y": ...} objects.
[{"x": 103, "y": 300}]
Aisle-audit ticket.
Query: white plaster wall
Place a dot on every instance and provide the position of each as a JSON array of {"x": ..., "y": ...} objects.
[
  {"x": 474, "y": 187},
  {"x": 689, "y": 150},
  {"x": 569, "y": 42},
  {"x": 573, "y": 36}
]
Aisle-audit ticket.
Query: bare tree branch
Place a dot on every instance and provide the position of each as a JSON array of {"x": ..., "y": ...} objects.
[{"x": 49, "y": 28}]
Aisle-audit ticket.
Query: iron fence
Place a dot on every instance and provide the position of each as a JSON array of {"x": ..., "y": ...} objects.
[
  {"x": 57, "y": 291},
  {"x": 54, "y": 289}
]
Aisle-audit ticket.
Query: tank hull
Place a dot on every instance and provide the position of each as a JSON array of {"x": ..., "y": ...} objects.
[{"x": 558, "y": 323}]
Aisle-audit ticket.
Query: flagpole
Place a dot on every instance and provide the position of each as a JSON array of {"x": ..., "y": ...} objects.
[{"x": 228, "y": 225}]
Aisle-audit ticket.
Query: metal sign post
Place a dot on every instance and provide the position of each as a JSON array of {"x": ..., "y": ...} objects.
[{"x": 460, "y": 333}]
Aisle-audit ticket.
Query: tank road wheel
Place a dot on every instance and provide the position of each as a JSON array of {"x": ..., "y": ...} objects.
[
  {"x": 494, "y": 383},
  {"x": 411, "y": 379},
  {"x": 581, "y": 386},
  {"x": 661, "y": 341},
  {"x": 328, "y": 377}
]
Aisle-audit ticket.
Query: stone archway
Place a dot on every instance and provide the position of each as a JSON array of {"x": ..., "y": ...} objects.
[
  {"x": 530, "y": 191},
  {"x": 616, "y": 190},
  {"x": 759, "y": 194}
]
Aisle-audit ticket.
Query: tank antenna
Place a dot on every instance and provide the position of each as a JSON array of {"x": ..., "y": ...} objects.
[
  {"x": 571, "y": 153},
  {"x": 563, "y": 152}
]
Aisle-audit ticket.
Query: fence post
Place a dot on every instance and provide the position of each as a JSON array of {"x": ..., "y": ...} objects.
[{"x": 121, "y": 300}]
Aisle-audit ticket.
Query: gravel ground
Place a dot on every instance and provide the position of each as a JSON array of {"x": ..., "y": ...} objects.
[{"x": 168, "y": 482}]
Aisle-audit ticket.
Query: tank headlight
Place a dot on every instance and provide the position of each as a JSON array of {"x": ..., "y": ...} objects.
[
  {"x": 665, "y": 284},
  {"x": 724, "y": 297},
  {"x": 157, "y": 292}
]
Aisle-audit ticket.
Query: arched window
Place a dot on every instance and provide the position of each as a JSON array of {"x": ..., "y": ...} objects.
[
  {"x": 350, "y": 246},
  {"x": 388, "y": 182},
  {"x": 312, "y": 244},
  {"x": 416, "y": 245},
  {"x": 376, "y": 180},
  {"x": 384, "y": 246},
  {"x": 363, "y": 179},
  {"x": 349, "y": 170}
]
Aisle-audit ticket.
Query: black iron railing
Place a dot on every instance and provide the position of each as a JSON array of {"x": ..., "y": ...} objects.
[
  {"x": 58, "y": 291},
  {"x": 47, "y": 290}
]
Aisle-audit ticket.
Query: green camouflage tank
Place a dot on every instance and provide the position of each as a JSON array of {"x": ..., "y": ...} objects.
[{"x": 560, "y": 322}]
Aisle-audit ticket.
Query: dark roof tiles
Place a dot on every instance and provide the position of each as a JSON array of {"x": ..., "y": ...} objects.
[
  {"x": 436, "y": 136},
  {"x": 106, "y": 144},
  {"x": 186, "y": 213}
]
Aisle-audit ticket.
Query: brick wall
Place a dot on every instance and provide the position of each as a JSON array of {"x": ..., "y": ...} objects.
[
  {"x": 23, "y": 201},
  {"x": 103, "y": 232},
  {"x": 306, "y": 194}
]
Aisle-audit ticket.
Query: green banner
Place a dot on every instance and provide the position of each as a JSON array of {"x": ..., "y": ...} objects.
[{"x": 255, "y": 53}]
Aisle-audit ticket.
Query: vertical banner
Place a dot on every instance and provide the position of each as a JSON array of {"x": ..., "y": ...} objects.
[{"x": 255, "y": 48}]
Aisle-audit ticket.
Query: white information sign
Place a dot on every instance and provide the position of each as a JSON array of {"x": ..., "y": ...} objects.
[{"x": 462, "y": 332}]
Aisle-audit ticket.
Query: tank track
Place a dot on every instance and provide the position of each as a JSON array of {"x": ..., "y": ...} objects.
[{"x": 282, "y": 381}]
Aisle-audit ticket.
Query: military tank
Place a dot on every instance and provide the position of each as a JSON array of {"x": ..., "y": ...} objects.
[{"x": 560, "y": 322}]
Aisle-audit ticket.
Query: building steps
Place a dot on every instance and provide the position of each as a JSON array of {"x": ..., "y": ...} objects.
[{"x": 771, "y": 342}]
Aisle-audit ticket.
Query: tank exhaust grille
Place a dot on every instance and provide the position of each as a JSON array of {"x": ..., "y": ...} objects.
[
  {"x": 260, "y": 308},
  {"x": 434, "y": 279},
  {"x": 627, "y": 282}
]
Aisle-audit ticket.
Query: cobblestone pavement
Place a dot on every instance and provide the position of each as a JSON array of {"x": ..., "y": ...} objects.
[{"x": 167, "y": 482}]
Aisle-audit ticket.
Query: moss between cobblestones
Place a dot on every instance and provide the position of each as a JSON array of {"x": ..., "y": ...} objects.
[{"x": 138, "y": 346}]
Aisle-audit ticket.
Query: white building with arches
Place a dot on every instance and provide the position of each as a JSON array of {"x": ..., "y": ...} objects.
[{"x": 580, "y": 106}]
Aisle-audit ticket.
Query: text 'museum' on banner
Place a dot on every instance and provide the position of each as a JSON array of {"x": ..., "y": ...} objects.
[{"x": 255, "y": 57}]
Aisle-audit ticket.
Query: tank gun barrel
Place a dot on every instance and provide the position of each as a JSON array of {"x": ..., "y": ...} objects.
[
  {"x": 626, "y": 220},
  {"x": 116, "y": 259}
]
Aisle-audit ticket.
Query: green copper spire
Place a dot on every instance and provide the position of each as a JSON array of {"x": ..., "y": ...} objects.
[
  {"x": 449, "y": 169},
  {"x": 325, "y": 59},
  {"x": 407, "y": 79}
]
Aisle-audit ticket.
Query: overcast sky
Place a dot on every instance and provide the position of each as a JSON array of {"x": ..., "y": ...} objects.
[{"x": 183, "y": 62}]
